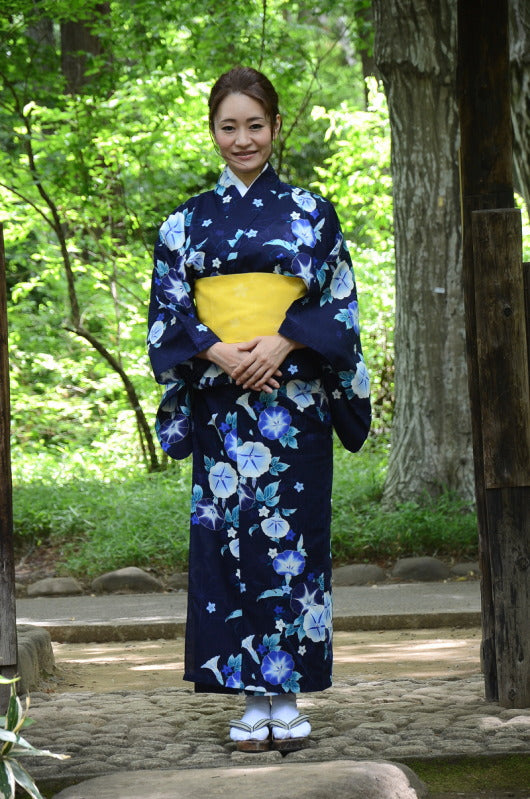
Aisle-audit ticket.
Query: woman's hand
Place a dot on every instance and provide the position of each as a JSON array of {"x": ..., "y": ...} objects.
[
  {"x": 230, "y": 357},
  {"x": 260, "y": 363}
]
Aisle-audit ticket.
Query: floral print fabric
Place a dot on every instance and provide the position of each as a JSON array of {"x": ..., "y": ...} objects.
[{"x": 259, "y": 601}]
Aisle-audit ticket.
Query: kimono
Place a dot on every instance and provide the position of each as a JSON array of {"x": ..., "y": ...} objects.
[{"x": 259, "y": 602}]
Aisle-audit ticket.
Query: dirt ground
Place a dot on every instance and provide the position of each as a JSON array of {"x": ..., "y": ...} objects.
[{"x": 390, "y": 654}]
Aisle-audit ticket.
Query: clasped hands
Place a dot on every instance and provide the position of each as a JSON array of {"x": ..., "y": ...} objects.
[{"x": 252, "y": 364}]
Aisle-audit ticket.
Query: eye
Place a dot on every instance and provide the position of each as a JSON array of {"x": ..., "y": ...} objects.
[
  {"x": 227, "y": 128},
  {"x": 256, "y": 126}
]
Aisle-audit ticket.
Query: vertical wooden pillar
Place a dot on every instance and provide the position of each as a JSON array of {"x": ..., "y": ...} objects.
[
  {"x": 501, "y": 485},
  {"x": 8, "y": 629},
  {"x": 504, "y": 389}
]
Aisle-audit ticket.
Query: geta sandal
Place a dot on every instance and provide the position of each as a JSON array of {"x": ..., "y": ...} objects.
[
  {"x": 252, "y": 744},
  {"x": 289, "y": 744}
]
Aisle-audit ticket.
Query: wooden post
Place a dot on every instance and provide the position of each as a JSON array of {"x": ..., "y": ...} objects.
[
  {"x": 486, "y": 182},
  {"x": 8, "y": 628},
  {"x": 504, "y": 390}
]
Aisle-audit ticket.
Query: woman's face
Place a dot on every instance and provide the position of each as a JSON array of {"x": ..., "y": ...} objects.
[{"x": 244, "y": 135}]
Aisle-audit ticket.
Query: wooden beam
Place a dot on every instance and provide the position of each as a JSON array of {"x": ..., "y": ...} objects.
[{"x": 8, "y": 629}]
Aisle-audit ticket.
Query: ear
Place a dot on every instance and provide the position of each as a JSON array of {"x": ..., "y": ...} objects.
[{"x": 277, "y": 126}]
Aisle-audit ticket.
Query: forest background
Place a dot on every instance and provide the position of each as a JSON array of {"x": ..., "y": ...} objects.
[{"x": 103, "y": 130}]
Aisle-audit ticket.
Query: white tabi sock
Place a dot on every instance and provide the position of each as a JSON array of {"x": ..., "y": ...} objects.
[
  {"x": 256, "y": 709},
  {"x": 284, "y": 709}
]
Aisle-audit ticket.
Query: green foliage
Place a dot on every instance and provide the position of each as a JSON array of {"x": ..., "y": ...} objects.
[{"x": 13, "y": 746}]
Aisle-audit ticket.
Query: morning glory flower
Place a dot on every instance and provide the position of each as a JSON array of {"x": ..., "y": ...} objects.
[
  {"x": 273, "y": 423},
  {"x": 304, "y": 232},
  {"x": 247, "y": 643},
  {"x": 353, "y": 312},
  {"x": 230, "y": 443},
  {"x": 341, "y": 285},
  {"x": 175, "y": 429},
  {"x": 275, "y": 527},
  {"x": 196, "y": 260},
  {"x": 172, "y": 231},
  {"x": 223, "y": 480},
  {"x": 316, "y": 623},
  {"x": 277, "y": 667},
  {"x": 246, "y": 496},
  {"x": 156, "y": 332},
  {"x": 289, "y": 562},
  {"x": 300, "y": 392},
  {"x": 303, "y": 598},
  {"x": 209, "y": 515},
  {"x": 304, "y": 201},
  {"x": 301, "y": 267},
  {"x": 234, "y": 681},
  {"x": 361, "y": 382},
  {"x": 174, "y": 289},
  {"x": 253, "y": 459}
]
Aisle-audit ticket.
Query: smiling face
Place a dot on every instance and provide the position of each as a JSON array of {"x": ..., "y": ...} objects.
[{"x": 244, "y": 134}]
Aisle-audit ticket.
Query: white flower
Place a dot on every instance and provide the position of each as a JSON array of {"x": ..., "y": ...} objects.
[
  {"x": 172, "y": 231},
  {"x": 275, "y": 527},
  {"x": 272, "y": 553},
  {"x": 361, "y": 381},
  {"x": 301, "y": 650},
  {"x": 341, "y": 285},
  {"x": 280, "y": 625},
  {"x": 223, "y": 480},
  {"x": 156, "y": 332},
  {"x": 300, "y": 392},
  {"x": 264, "y": 511},
  {"x": 253, "y": 458},
  {"x": 234, "y": 548}
]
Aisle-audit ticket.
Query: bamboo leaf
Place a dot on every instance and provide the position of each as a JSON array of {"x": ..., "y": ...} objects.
[
  {"x": 7, "y": 781},
  {"x": 25, "y": 781}
]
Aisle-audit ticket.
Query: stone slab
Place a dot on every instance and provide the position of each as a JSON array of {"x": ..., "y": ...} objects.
[
  {"x": 340, "y": 779},
  {"x": 34, "y": 655}
]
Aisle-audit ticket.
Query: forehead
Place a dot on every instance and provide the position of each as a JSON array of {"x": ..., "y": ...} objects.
[{"x": 239, "y": 107}]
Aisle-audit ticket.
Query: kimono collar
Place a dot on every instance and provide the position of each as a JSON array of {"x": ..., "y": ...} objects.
[{"x": 229, "y": 179}]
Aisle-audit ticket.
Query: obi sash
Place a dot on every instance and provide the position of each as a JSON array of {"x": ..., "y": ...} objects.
[{"x": 239, "y": 307}]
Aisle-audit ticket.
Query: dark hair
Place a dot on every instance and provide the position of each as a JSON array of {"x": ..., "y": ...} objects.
[{"x": 244, "y": 80}]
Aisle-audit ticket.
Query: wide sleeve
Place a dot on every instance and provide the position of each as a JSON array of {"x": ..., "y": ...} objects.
[
  {"x": 175, "y": 333},
  {"x": 327, "y": 321}
]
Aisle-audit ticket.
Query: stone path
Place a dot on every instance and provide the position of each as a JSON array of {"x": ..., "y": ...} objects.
[{"x": 383, "y": 719}]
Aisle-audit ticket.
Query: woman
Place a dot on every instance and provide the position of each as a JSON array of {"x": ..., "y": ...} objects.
[{"x": 253, "y": 329}]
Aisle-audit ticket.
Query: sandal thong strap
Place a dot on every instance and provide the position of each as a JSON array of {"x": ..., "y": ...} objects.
[
  {"x": 289, "y": 725},
  {"x": 242, "y": 725}
]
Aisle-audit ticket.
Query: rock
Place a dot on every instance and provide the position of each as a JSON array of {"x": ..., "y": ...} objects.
[
  {"x": 358, "y": 574},
  {"x": 470, "y": 569},
  {"x": 342, "y": 779},
  {"x": 55, "y": 586},
  {"x": 130, "y": 580},
  {"x": 178, "y": 581},
  {"x": 34, "y": 656},
  {"x": 421, "y": 569}
]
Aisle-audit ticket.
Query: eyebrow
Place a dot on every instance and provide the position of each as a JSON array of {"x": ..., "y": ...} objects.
[{"x": 231, "y": 119}]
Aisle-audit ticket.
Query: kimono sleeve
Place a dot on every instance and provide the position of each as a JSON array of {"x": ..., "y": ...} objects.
[
  {"x": 327, "y": 321},
  {"x": 175, "y": 333}
]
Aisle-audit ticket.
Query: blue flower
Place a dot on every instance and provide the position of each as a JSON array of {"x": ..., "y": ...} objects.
[
  {"x": 277, "y": 667},
  {"x": 223, "y": 480},
  {"x": 175, "y": 429},
  {"x": 304, "y": 200},
  {"x": 172, "y": 231},
  {"x": 246, "y": 496},
  {"x": 274, "y": 422},
  {"x": 304, "y": 232},
  {"x": 253, "y": 459},
  {"x": 353, "y": 312},
  {"x": 289, "y": 562},
  {"x": 174, "y": 289},
  {"x": 275, "y": 527},
  {"x": 209, "y": 515},
  {"x": 196, "y": 260},
  {"x": 341, "y": 285},
  {"x": 230, "y": 442},
  {"x": 303, "y": 598},
  {"x": 298, "y": 487},
  {"x": 234, "y": 681},
  {"x": 210, "y": 607}
]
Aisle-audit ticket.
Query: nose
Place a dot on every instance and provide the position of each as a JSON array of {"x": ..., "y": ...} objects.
[{"x": 242, "y": 137}]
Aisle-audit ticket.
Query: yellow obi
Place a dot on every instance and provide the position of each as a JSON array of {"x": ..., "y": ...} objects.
[{"x": 239, "y": 307}]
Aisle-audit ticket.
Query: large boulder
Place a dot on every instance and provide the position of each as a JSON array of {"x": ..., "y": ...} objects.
[
  {"x": 129, "y": 580},
  {"x": 358, "y": 574},
  {"x": 420, "y": 569},
  {"x": 343, "y": 779},
  {"x": 55, "y": 586}
]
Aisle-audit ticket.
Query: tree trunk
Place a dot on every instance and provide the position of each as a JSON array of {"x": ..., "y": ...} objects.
[
  {"x": 415, "y": 49},
  {"x": 520, "y": 79},
  {"x": 78, "y": 43}
]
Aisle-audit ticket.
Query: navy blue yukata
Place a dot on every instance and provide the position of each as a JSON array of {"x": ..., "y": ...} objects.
[{"x": 259, "y": 602}]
